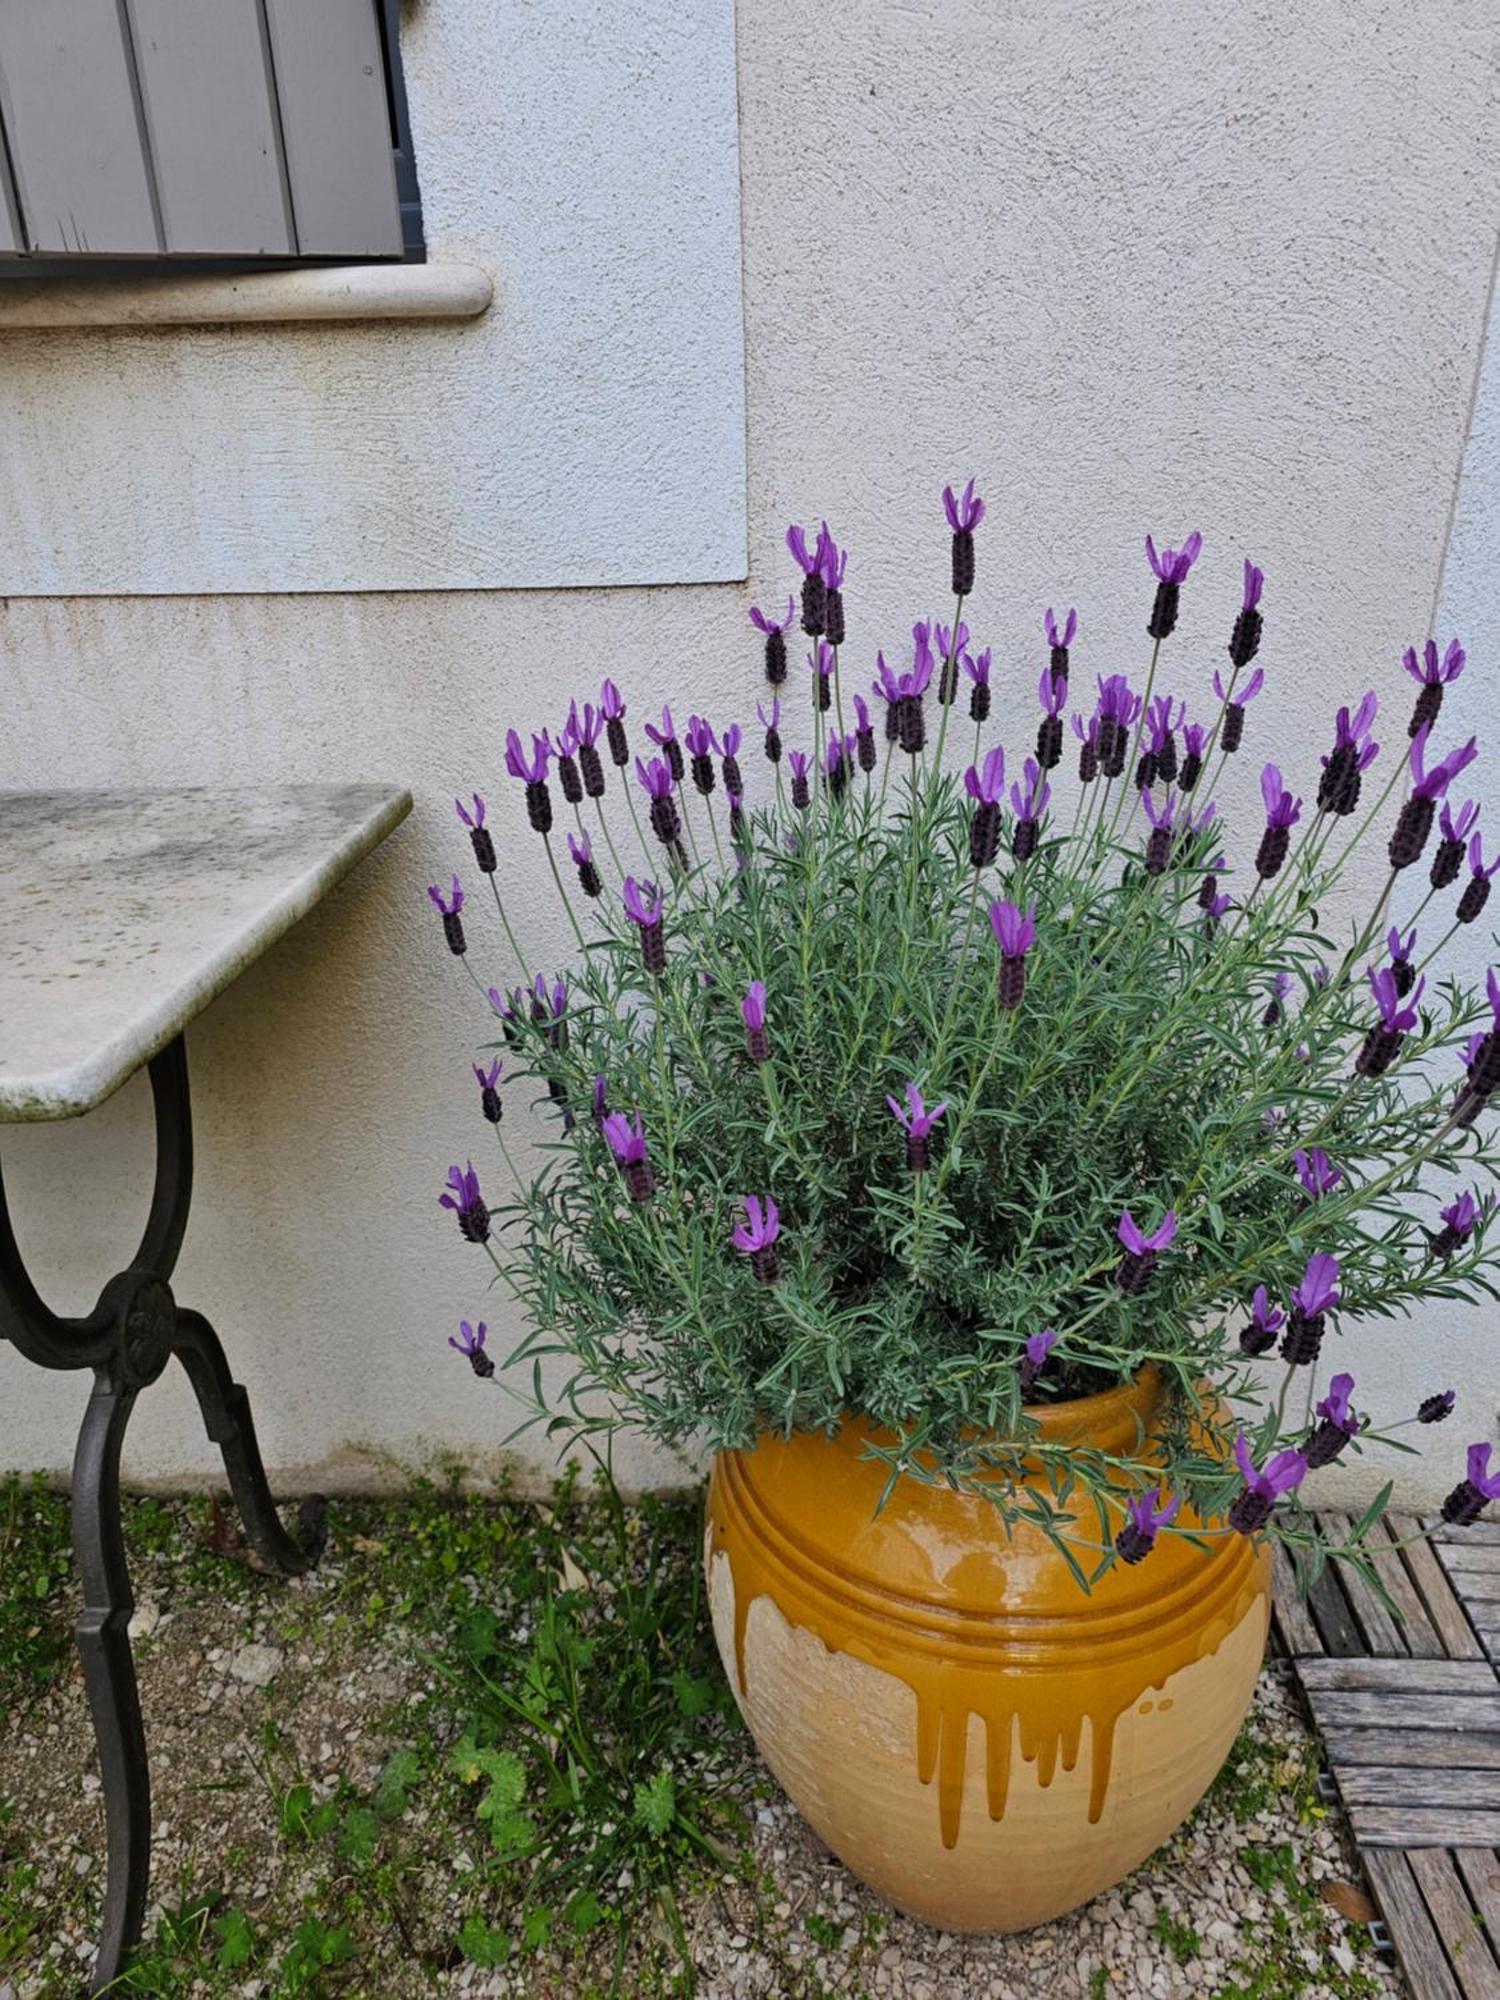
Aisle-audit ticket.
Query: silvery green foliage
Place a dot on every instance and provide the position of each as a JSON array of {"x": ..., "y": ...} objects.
[{"x": 1159, "y": 1059}]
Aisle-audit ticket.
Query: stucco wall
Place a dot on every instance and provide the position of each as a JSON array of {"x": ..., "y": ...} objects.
[{"x": 1227, "y": 268}]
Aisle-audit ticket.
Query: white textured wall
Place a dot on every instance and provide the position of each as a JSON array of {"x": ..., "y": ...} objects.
[{"x": 1222, "y": 267}]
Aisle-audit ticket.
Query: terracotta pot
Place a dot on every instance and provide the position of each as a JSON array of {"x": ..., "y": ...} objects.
[{"x": 982, "y": 1742}]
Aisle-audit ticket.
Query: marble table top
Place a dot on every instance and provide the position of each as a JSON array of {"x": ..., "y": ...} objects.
[{"x": 124, "y": 912}]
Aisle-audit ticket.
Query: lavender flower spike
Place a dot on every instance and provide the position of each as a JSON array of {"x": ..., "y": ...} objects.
[
  {"x": 1354, "y": 750},
  {"x": 985, "y": 784},
  {"x": 1170, "y": 568},
  {"x": 1459, "y": 1219},
  {"x": 1315, "y": 1295},
  {"x": 480, "y": 838},
  {"x": 1266, "y": 1321},
  {"x": 582, "y": 854},
  {"x": 964, "y": 516},
  {"x": 1263, "y": 1489},
  {"x": 1382, "y": 1044},
  {"x": 1038, "y": 1347},
  {"x": 1136, "y": 1266},
  {"x": 627, "y": 1142},
  {"x": 656, "y": 777},
  {"x": 753, "y": 1013},
  {"x": 470, "y": 1344},
  {"x": 775, "y": 631},
  {"x": 814, "y": 590},
  {"x": 1454, "y": 831},
  {"x": 449, "y": 908},
  {"x": 643, "y": 905},
  {"x": 1466, "y": 1502},
  {"x": 977, "y": 667},
  {"x": 1015, "y": 933},
  {"x": 1432, "y": 676},
  {"x": 756, "y": 1237},
  {"x": 467, "y": 1203},
  {"x": 1147, "y": 1514},
  {"x": 1030, "y": 804},
  {"x": 1477, "y": 889},
  {"x": 1052, "y": 694},
  {"x": 1282, "y": 814},
  {"x": 1232, "y": 729},
  {"x": 801, "y": 796},
  {"x": 1317, "y": 1175},
  {"x": 489, "y": 1090},
  {"x": 1338, "y": 1424},
  {"x": 1401, "y": 948},
  {"x": 917, "y": 1122},
  {"x": 1244, "y": 640},
  {"x": 1437, "y": 1409},
  {"x": 612, "y": 708},
  {"x": 665, "y": 739},
  {"x": 1428, "y": 786},
  {"x": 1059, "y": 640},
  {"x": 532, "y": 772},
  {"x": 1159, "y": 841}
]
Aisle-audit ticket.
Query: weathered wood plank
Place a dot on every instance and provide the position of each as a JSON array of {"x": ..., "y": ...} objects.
[
  {"x": 204, "y": 69},
  {"x": 1297, "y": 1627},
  {"x": 1480, "y": 1588},
  {"x": 1423, "y": 1640},
  {"x": 1417, "y": 1826},
  {"x": 1410, "y": 1926},
  {"x": 68, "y": 97},
  {"x": 336, "y": 127},
  {"x": 1433, "y": 1582},
  {"x": 1450, "y": 1677},
  {"x": 1382, "y": 1635},
  {"x": 1480, "y": 1868},
  {"x": 1459, "y": 1559},
  {"x": 1390, "y": 1708},
  {"x": 1455, "y": 1792},
  {"x": 1333, "y": 1618},
  {"x": 1476, "y": 1535},
  {"x": 1434, "y": 1749},
  {"x": 1456, "y": 1923}
]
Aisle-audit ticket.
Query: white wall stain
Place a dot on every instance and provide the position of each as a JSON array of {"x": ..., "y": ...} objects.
[{"x": 1221, "y": 267}]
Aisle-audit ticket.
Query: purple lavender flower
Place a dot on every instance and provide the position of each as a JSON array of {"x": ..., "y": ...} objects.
[
  {"x": 1282, "y": 814},
  {"x": 839, "y": 763},
  {"x": 1159, "y": 842},
  {"x": 1194, "y": 740},
  {"x": 1030, "y": 804},
  {"x": 1059, "y": 640},
  {"x": 1266, "y": 1321},
  {"x": 964, "y": 516},
  {"x": 729, "y": 753},
  {"x": 1467, "y": 1501},
  {"x": 665, "y": 739},
  {"x": 977, "y": 667},
  {"x": 489, "y": 1090},
  {"x": 1118, "y": 710},
  {"x": 450, "y": 908},
  {"x": 1052, "y": 693},
  {"x": 1382, "y": 1043},
  {"x": 1281, "y": 987},
  {"x": 627, "y": 1142},
  {"x": 775, "y": 631},
  {"x": 1088, "y": 746},
  {"x": 1432, "y": 675},
  {"x": 1437, "y": 1409},
  {"x": 1477, "y": 889},
  {"x": 1313, "y": 1298},
  {"x": 532, "y": 772},
  {"x": 1136, "y": 1266},
  {"x": 612, "y": 708},
  {"x": 1148, "y": 1513},
  {"x": 985, "y": 784},
  {"x": 820, "y": 666},
  {"x": 599, "y": 1100},
  {"x": 1215, "y": 910},
  {"x": 910, "y": 723},
  {"x": 480, "y": 837},
  {"x": 1337, "y": 1424},
  {"x": 1234, "y": 703},
  {"x": 1158, "y": 762},
  {"x": 656, "y": 777},
  {"x": 814, "y": 590},
  {"x": 771, "y": 724},
  {"x": 1244, "y": 640},
  {"x": 1454, "y": 831},
  {"x": 1459, "y": 1220},
  {"x": 582, "y": 855},
  {"x": 832, "y": 563},
  {"x": 1400, "y": 948},
  {"x": 1354, "y": 750},
  {"x": 1415, "y": 821},
  {"x": 753, "y": 1012},
  {"x": 1015, "y": 933},
  {"x": 1263, "y": 1489},
  {"x": 1170, "y": 569},
  {"x": 585, "y": 729},
  {"x": 643, "y": 905},
  {"x": 470, "y": 1344},
  {"x": 801, "y": 796},
  {"x": 756, "y": 1238},
  {"x": 1034, "y": 1360},
  {"x": 702, "y": 747},
  {"x": 864, "y": 736},
  {"x": 565, "y": 751},
  {"x": 917, "y": 1122},
  {"x": 1316, "y": 1172},
  {"x": 467, "y": 1203}
]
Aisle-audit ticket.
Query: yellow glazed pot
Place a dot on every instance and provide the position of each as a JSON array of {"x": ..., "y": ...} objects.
[{"x": 981, "y": 1742}]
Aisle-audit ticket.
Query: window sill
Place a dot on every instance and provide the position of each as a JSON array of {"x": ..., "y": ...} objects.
[{"x": 329, "y": 293}]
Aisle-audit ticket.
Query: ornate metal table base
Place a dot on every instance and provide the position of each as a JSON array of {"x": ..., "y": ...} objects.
[{"x": 128, "y": 1339}]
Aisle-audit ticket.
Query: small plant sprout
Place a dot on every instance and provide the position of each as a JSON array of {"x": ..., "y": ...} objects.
[{"x": 1081, "y": 991}]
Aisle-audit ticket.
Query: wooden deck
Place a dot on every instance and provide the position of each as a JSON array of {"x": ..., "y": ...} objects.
[{"x": 1409, "y": 1715}]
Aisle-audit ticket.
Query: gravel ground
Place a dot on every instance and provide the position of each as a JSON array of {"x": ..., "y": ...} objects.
[{"x": 1258, "y": 1895}]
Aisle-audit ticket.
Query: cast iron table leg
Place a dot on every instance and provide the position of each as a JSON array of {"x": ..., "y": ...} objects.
[{"x": 128, "y": 1340}]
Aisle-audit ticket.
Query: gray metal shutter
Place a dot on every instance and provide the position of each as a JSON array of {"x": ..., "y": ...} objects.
[{"x": 236, "y": 129}]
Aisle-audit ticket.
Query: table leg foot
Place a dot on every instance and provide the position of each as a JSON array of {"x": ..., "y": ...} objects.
[
  {"x": 103, "y": 1635},
  {"x": 226, "y": 1415}
]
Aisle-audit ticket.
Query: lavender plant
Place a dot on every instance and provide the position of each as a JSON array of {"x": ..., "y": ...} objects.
[{"x": 877, "y": 1087}]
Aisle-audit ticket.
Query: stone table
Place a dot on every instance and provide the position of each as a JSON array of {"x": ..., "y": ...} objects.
[{"x": 122, "y": 914}]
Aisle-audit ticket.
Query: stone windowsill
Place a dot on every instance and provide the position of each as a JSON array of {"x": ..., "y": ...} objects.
[{"x": 336, "y": 292}]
